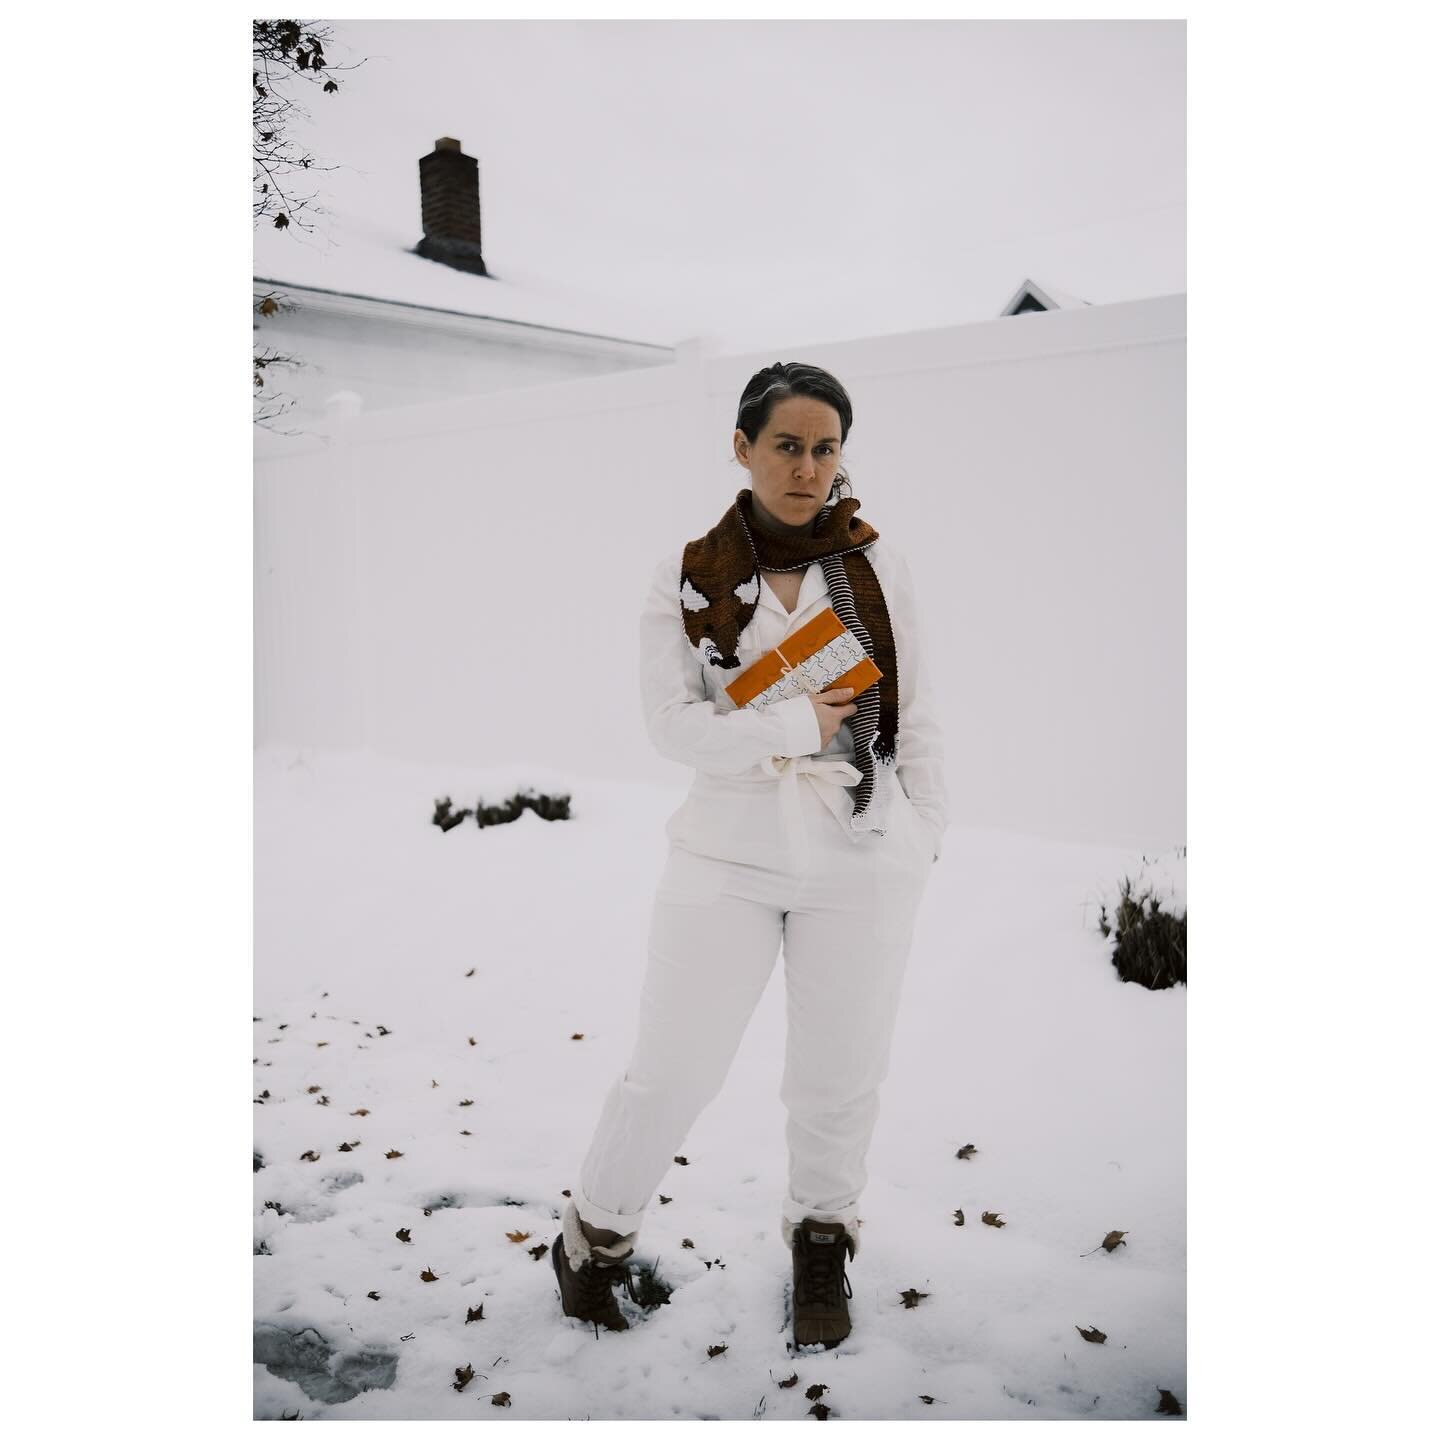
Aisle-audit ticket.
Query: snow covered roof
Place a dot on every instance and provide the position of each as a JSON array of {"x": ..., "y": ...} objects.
[{"x": 371, "y": 258}]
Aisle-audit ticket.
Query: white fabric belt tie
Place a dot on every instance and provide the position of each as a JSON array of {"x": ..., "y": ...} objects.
[{"x": 789, "y": 769}]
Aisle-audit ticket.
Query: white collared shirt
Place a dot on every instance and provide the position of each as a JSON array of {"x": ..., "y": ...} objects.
[{"x": 691, "y": 719}]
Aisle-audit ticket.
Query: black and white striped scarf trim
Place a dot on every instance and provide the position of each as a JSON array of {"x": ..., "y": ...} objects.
[{"x": 873, "y": 794}]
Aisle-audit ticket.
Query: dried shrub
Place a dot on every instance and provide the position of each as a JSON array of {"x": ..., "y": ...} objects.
[
  {"x": 1149, "y": 941},
  {"x": 547, "y": 807}
]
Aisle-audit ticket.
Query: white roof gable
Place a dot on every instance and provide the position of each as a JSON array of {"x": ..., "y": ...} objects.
[{"x": 1046, "y": 298}]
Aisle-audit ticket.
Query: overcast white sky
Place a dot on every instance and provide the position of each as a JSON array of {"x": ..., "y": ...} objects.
[{"x": 765, "y": 181}]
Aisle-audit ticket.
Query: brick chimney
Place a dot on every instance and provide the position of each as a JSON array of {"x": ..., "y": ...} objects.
[{"x": 450, "y": 207}]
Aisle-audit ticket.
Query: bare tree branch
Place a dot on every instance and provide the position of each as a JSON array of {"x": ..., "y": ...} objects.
[{"x": 283, "y": 53}]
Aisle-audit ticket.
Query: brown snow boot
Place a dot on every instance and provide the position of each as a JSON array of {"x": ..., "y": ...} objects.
[
  {"x": 819, "y": 1249},
  {"x": 588, "y": 1275},
  {"x": 588, "y": 1293}
]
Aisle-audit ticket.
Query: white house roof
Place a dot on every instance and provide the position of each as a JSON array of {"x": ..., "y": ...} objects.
[{"x": 361, "y": 256}]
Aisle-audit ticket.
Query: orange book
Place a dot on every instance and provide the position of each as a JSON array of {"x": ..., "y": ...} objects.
[{"x": 821, "y": 655}]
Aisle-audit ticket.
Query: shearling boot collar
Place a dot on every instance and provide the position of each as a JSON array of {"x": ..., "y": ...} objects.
[
  {"x": 578, "y": 1249},
  {"x": 852, "y": 1234}
]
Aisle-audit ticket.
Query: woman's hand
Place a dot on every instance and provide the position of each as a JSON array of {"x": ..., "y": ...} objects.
[{"x": 830, "y": 709}]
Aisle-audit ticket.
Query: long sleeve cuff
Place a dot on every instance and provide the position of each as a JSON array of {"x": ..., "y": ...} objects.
[{"x": 802, "y": 725}]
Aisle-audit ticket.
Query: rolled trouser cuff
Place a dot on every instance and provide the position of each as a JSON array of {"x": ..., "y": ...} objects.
[
  {"x": 792, "y": 1216},
  {"x": 578, "y": 1208}
]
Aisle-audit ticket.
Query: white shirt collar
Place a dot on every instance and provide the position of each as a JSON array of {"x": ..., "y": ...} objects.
[{"x": 812, "y": 586}]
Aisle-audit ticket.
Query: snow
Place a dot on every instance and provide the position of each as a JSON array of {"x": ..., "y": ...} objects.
[
  {"x": 1015, "y": 1036},
  {"x": 666, "y": 299},
  {"x": 373, "y": 256}
]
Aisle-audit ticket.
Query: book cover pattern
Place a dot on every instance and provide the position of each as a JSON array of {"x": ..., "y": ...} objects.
[{"x": 820, "y": 655}]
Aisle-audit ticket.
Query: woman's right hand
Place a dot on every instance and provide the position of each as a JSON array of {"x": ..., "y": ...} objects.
[{"x": 832, "y": 707}]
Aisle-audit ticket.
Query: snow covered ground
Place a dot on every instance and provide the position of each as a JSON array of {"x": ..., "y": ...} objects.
[{"x": 401, "y": 972}]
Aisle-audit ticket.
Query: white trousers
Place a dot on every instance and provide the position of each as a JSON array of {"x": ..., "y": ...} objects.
[{"x": 843, "y": 912}]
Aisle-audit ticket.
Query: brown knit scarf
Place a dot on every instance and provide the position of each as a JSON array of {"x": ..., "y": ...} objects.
[{"x": 720, "y": 588}]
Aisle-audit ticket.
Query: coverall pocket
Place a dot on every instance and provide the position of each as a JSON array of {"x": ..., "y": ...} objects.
[{"x": 921, "y": 834}]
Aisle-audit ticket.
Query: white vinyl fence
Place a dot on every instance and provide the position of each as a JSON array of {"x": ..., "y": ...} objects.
[{"x": 460, "y": 582}]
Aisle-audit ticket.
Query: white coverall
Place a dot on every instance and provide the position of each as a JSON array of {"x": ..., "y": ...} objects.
[{"x": 762, "y": 858}]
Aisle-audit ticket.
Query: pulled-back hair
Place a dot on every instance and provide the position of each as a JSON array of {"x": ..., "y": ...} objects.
[{"x": 792, "y": 377}]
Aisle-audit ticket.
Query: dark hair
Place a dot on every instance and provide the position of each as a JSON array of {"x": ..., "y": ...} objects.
[{"x": 792, "y": 377}]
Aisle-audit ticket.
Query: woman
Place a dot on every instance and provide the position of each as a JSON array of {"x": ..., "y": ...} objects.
[{"x": 812, "y": 823}]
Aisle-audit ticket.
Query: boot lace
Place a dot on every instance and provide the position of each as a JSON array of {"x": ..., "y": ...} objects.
[
  {"x": 593, "y": 1284},
  {"x": 624, "y": 1275},
  {"x": 821, "y": 1275}
]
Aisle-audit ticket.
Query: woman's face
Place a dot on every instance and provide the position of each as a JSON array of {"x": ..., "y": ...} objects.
[{"x": 793, "y": 460}]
